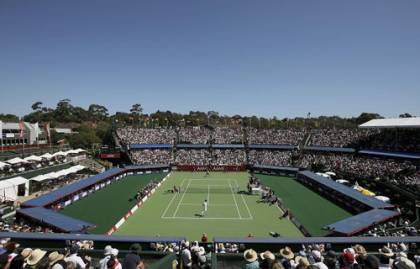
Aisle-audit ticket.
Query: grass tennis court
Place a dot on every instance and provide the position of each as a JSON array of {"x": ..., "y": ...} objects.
[
  {"x": 229, "y": 213},
  {"x": 310, "y": 209},
  {"x": 106, "y": 206}
]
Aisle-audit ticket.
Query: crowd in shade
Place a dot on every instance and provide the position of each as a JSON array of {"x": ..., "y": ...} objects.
[
  {"x": 290, "y": 136},
  {"x": 339, "y": 138},
  {"x": 192, "y": 157},
  {"x": 23, "y": 228},
  {"x": 228, "y": 135},
  {"x": 270, "y": 157},
  {"x": 407, "y": 140},
  {"x": 146, "y": 190},
  {"x": 356, "y": 165},
  {"x": 398, "y": 228},
  {"x": 194, "y": 256},
  {"x": 152, "y": 156},
  {"x": 132, "y": 135},
  {"x": 323, "y": 256},
  {"x": 229, "y": 157},
  {"x": 194, "y": 135}
]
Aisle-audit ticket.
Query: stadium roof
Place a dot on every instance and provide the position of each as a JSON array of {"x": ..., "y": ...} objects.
[
  {"x": 403, "y": 155},
  {"x": 272, "y": 146},
  {"x": 329, "y": 149},
  {"x": 392, "y": 123},
  {"x": 60, "y": 221},
  {"x": 361, "y": 221},
  {"x": 354, "y": 194},
  {"x": 49, "y": 198},
  {"x": 149, "y": 146},
  {"x": 285, "y": 168}
]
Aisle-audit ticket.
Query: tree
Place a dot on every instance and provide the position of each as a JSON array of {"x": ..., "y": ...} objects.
[
  {"x": 406, "y": 115},
  {"x": 136, "y": 111},
  {"x": 37, "y": 106},
  {"x": 365, "y": 117},
  {"x": 98, "y": 112}
]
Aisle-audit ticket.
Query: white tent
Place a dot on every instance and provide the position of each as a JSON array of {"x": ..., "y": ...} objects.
[
  {"x": 60, "y": 153},
  {"x": 16, "y": 160},
  {"x": 75, "y": 151},
  {"x": 33, "y": 158},
  {"x": 2, "y": 165},
  {"x": 47, "y": 156},
  {"x": 383, "y": 199},
  {"x": 39, "y": 178},
  {"x": 9, "y": 188}
]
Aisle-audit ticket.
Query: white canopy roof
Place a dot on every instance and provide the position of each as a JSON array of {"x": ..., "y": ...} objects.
[
  {"x": 13, "y": 181},
  {"x": 60, "y": 153},
  {"x": 33, "y": 158},
  {"x": 393, "y": 123},
  {"x": 39, "y": 178},
  {"x": 16, "y": 160},
  {"x": 2, "y": 164},
  {"x": 47, "y": 156},
  {"x": 75, "y": 151}
]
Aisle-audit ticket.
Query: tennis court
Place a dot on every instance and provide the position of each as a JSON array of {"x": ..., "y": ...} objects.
[
  {"x": 311, "y": 209},
  {"x": 105, "y": 207},
  {"x": 230, "y": 211}
]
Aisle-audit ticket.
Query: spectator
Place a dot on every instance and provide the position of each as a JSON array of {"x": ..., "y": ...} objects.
[
  {"x": 251, "y": 259},
  {"x": 132, "y": 260},
  {"x": 56, "y": 260}
]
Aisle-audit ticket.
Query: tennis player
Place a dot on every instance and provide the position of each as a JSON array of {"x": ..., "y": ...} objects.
[{"x": 205, "y": 207}]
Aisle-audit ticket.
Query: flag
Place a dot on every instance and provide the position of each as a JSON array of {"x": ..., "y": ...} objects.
[
  {"x": 22, "y": 128},
  {"x": 1, "y": 130}
]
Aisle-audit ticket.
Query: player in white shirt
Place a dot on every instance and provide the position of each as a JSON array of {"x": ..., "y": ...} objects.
[{"x": 205, "y": 207}]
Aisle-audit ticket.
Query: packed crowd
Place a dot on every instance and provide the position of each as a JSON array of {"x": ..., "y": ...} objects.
[
  {"x": 356, "y": 165},
  {"x": 73, "y": 256},
  {"x": 229, "y": 157},
  {"x": 323, "y": 256},
  {"x": 152, "y": 156},
  {"x": 270, "y": 157},
  {"x": 228, "y": 135},
  {"x": 132, "y": 135},
  {"x": 291, "y": 136},
  {"x": 192, "y": 157},
  {"x": 339, "y": 138},
  {"x": 393, "y": 140},
  {"x": 194, "y": 135},
  {"x": 146, "y": 190}
]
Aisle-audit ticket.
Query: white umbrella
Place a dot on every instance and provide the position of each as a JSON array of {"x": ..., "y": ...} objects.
[
  {"x": 47, "y": 156},
  {"x": 16, "y": 160},
  {"x": 330, "y": 173},
  {"x": 342, "y": 181},
  {"x": 33, "y": 158},
  {"x": 383, "y": 199},
  {"x": 59, "y": 153}
]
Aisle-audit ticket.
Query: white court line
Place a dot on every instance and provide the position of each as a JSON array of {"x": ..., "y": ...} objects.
[
  {"x": 170, "y": 203},
  {"x": 180, "y": 201},
  {"x": 243, "y": 199},
  {"x": 195, "y": 204},
  {"x": 234, "y": 199},
  {"x": 206, "y": 218},
  {"x": 213, "y": 185},
  {"x": 207, "y": 179}
]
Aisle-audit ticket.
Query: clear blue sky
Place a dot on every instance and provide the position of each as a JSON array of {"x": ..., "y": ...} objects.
[{"x": 270, "y": 58}]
